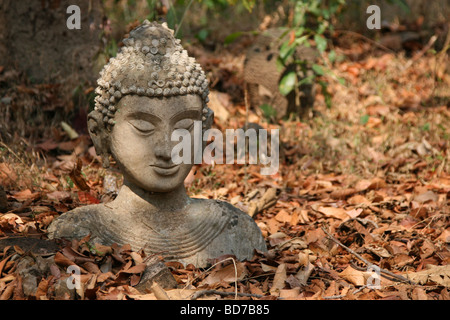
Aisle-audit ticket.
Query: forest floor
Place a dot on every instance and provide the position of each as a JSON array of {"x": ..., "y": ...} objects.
[{"x": 363, "y": 187}]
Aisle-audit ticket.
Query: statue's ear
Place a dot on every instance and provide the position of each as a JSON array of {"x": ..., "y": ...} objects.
[
  {"x": 208, "y": 118},
  {"x": 99, "y": 135},
  {"x": 207, "y": 122}
]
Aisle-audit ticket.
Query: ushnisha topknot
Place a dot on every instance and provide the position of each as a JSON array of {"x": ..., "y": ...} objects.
[{"x": 151, "y": 63}]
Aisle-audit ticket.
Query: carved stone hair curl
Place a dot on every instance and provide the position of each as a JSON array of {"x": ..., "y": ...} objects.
[{"x": 151, "y": 63}]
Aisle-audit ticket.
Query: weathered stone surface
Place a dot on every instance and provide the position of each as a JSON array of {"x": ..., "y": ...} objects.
[
  {"x": 199, "y": 231},
  {"x": 152, "y": 210},
  {"x": 152, "y": 63}
]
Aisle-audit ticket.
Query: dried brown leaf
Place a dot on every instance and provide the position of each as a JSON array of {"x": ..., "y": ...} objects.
[
  {"x": 62, "y": 260},
  {"x": 25, "y": 195},
  {"x": 304, "y": 273},
  {"x": 358, "y": 199},
  {"x": 419, "y": 294},
  {"x": 378, "y": 250},
  {"x": 444, "y": 236},
  {"x": 42, "y": 289},
  {"x": 135, "y": 269},
  {"x": 426, "y": 197},
  {"x": 290, "y": 294},
  {"x": 333, "y": 212},
  {"x": 283, "y": 216},
  {"x": 279, "y": 279},
  {"x": 7, "y": 293},
  {"x": 436, "y": 274},
  {"x": 342, "y": 193},
  {"x": 229, "y": 273},
  {"x": 354, "y": 276},
  {"x": 427, "y": 249}
]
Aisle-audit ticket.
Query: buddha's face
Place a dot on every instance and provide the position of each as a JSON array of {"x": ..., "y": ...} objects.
[{"x": 141, "y": 139}]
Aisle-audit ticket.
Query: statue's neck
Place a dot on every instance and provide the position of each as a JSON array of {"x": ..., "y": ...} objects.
[{"x": 135, "y": 199}]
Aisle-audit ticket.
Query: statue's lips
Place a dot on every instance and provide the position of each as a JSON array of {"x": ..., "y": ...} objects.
[{"x": 166, "y": 170}]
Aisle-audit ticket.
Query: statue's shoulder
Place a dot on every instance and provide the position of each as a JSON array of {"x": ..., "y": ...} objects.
[
  {"x": 239, "y": 218},
  {"x": 227, "y": 210},
  {"x": 232, "y": 211},
  {"x": 240, "y": 227},
  {"x": 77, "y": 223}
]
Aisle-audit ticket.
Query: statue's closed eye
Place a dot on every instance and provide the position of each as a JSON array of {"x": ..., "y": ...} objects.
[
  {"x": 142, "y": 126},
  {"x": 185, "y": 124}
]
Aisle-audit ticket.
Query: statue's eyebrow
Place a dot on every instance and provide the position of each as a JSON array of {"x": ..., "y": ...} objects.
[
  {"x": 192, "y": 113},
  {"x": 143, "y": 116}
]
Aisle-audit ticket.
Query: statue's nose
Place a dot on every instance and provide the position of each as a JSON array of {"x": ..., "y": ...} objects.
[{"x": 163, "y": 147}]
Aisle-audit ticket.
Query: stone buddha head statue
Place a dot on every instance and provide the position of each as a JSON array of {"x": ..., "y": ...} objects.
[
  {"x": 148, "y": 90},
  {"x": 151, "y": 88}
]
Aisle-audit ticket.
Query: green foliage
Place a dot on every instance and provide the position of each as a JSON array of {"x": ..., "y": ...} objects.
[
  {"x": 310, "y": 21},
  {"x": 222, "y": 4},
  {"x": 425, "y": 127},
  {"x": 364, "y": 119},
  {"x": 268, "y": 111},
  {"x": 288, "y": 82},
  {"x": 152, "y": 6},
  {"x": 232, "y": 37},
  {"x": 171, "y": 18},
  {"x": 202, "y": 35},
  {"x": 69, "y": 182},
  {"x": 401, "y": 3},
  {"x": 111, "y": 48},
  {"x": 248, "y": 4}
]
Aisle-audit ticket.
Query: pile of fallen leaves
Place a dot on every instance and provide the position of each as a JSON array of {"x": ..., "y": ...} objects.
[{"x": 359, "y": 208}]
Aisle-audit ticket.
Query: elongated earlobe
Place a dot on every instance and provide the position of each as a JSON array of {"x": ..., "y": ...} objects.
[
  {"x": 100, "y": 136},
  {"x": 207, "y": 121}
]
